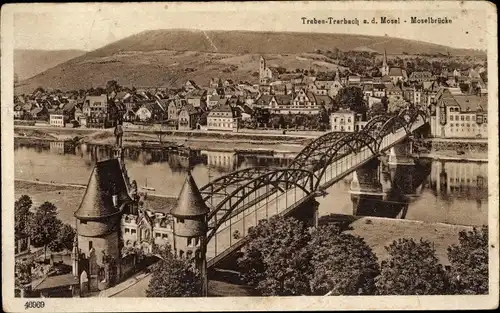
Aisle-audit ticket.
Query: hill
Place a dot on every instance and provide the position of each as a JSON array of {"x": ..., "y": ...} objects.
[
  {"x": 28, "y": 63},
  {"x": 170, "y": 57}
]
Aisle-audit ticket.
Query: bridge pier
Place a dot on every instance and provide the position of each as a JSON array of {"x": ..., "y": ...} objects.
[
  {"x": 400, "y": 154},
  {"x": 308, "y": 213},
  {"x": 367, "y": 179}
]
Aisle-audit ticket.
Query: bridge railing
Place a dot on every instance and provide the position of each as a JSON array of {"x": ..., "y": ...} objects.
[{"x": 270, "y": 200}]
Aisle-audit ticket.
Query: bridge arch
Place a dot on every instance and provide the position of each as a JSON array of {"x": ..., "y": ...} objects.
[
  {"x": 237, "y": 177},
  {"x": 272, "y": 178},
  {"x": 352, "y": 142}
]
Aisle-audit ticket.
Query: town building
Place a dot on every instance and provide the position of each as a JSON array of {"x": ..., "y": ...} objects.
[
  {"x": 56, "y": 119},
  {"x": 224, "y": 118},
  {"x": 460, "y": 116},
  {"x": 188, "y": 117},
  {"x": 345, "y": 120},
  {"x": 265, "y": 73}
]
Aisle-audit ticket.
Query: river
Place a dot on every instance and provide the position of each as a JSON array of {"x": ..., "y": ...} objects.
[{"x": 431, "y": 191}]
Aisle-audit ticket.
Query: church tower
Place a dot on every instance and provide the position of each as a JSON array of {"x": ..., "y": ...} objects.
[
  {"x": 385, "y": 67},
  {"x": 262, "y": 70}
]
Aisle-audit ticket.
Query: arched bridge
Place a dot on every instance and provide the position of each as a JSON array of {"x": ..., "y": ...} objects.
[{"x": 238, "y": 200}]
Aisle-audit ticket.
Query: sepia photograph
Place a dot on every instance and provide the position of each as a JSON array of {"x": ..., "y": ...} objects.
[{"x": 249, "y": 156}]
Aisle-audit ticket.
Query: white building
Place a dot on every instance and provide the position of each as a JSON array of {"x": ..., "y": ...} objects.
[
  {"x": 57, "y": 120},
  {"x": 460, "y": 116},
  {"x": 223, "y": 118},
  {"x": 346, "y": 121}
]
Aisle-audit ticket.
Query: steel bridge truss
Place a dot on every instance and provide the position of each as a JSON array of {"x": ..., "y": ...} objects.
[
  {"x": 233, "y": 193},
  {"x": 254, "y": 190}
]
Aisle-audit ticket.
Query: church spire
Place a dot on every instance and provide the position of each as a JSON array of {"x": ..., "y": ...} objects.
[{"x": 384, "y": 64}]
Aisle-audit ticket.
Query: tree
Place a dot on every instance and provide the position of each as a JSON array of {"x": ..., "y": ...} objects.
[
  {"x": 343, "y": 263},
  {"x": 385, "y": 102},
  {"x": 376, "y": 109},
  {"x": 276, "y": 259},
  {"x": 396, "y": 105},
  {"x": 261, "y": 116},
  {"x": 174, "y": 277},
  {"x": 44, "y": 226},
  {"x": 351, "y": 98},
  {"x": 412, "y": 269},
  {"x": 64, "y": 239},
  {"x": 22, "y": 215},
  {"x": 469, "y": 262}
]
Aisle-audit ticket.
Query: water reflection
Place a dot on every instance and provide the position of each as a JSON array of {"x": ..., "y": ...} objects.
[
  {"x": 450, "y": 192},
  {"x": 439, "y": 191}
]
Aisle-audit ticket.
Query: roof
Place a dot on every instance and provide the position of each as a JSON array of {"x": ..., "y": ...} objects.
[
  {"x": 36, "y": 110},
  {"x": 215, "y": 98},
  {"x": 190, "y": 109},
  {"x": 69, "y": 106},
  {"x": 190, "y": 201},
  {"x": 223, "y": 108},
  {"x": 57, "y": 281},
  {"x": 105, "y": 180},
  {"x": 102, "y": 99},
  {"x": 283, "y": 99},
  {"x": 421, "y": 75},
  {"x": 197, "y": 93},
  {"x": 471, "y": 103},
  {"x": 324, "y": 99},
  {"x": 395, "y": 71},
  {"x": 264, "y": 99}
]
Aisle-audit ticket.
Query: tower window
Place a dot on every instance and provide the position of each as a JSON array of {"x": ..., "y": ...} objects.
[
  {"x": 133, "y": 231},
  {"x": 189, "y": 241},
  {"x": 90, "y": 245},
  {"x": 181, "y": 220}
]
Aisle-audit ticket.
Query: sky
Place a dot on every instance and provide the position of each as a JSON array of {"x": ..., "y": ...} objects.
[{"x": 91, "y": 26}]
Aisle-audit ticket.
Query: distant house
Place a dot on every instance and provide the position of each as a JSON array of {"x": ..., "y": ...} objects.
[
  {"x": 57, "y": 119},
  {"x": 346, "y": 121},
  {"x": 68, "y": 110},
  {"x": 420, "y": 76},
  {"x": 334, "y": 88},
  {"x": 188, "y": 117},
  {"x": 150, "y": 111},
  {"x": 397, "y": 74},
  {"x": 305, "y": 103},
  {"x": 320, "y": 87},
  {"x": 223, "y": 118},
  {"x": 78, "y": 114},
  {"x": 174, "y": 108},
  {"x": 18, "y": 111},
  {"x": 39, "y": 113},
  {"x": 213, "y": 101},
  {"x": 95, "y": 109},
  {"x": 197, "y": 98},
  {"x": 190, "y": 85},
  {"x": 244, "y": 111}
]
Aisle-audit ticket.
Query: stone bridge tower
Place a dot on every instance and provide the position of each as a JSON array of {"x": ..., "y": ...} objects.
[{"x": 98, "y": 225}]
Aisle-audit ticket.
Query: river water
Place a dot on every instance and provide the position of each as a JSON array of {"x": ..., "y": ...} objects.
[{"x": 431, "y": 191}]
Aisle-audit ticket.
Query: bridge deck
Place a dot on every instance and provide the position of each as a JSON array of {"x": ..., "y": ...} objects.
[{"x": 265, "y": 203}]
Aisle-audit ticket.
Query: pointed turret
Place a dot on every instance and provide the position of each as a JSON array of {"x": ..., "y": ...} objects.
[
  {"x": 190, "y": 212},
  {"x": 106, "y": 192},
  {"x": 190, "y": 202}
]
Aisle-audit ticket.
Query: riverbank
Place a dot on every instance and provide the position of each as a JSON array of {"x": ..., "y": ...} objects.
[
  {"x": 200, "y": 140},
  {"x": 377, "y": 232}
]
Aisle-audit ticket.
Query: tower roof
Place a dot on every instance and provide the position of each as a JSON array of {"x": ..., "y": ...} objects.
[
  {"x": 190, "y": 201},
  {"x": 106, "y": 180}
]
